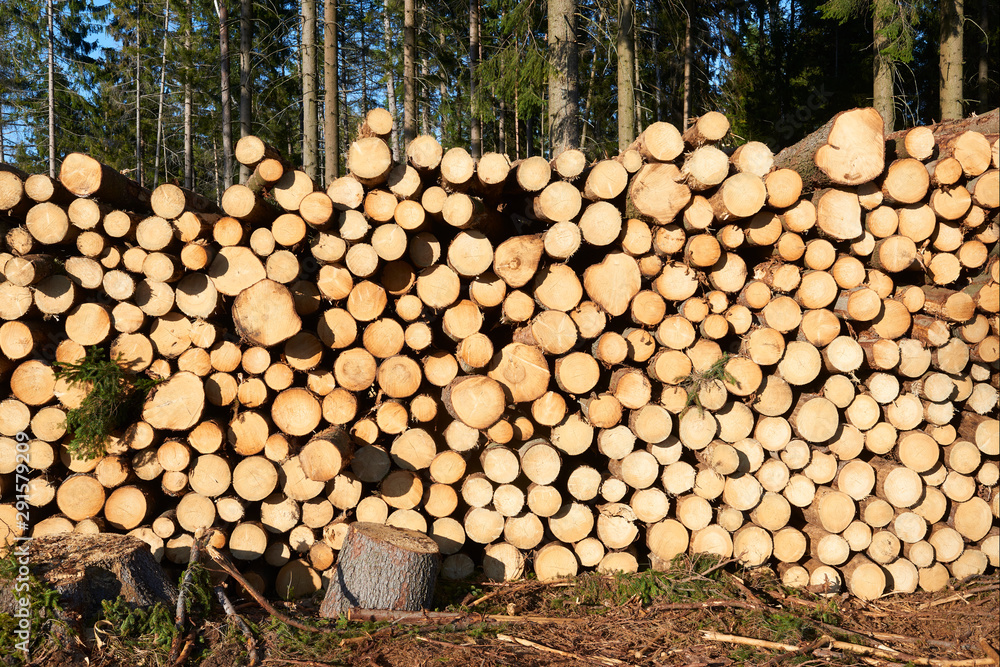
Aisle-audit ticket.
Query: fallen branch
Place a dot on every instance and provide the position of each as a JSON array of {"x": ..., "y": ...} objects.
[
  {"x": 441, "y": 643},
  {"x": 498, "y": 591},
  {"x": 960, "y": 596},
  {"x": 719, "y": 566},
  {"x": 224, "y": 563},
  {"x": 177, "y": 653},
  {"x": 546, "y": 649},
  {"x": 652, "y": 642},
  {"x": 418, "y": 617},
  {"x": 989, "y": 650},
  {"x": 853, "y": 648},
  {"x": 936, "y": 643},
  {"x": 227, "y": 605},
  {"x": 707, "y": 604},
  {"x": 803, "y": 650}
]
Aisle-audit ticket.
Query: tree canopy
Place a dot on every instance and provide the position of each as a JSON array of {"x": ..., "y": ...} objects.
[{"x": 134, "y": 84}]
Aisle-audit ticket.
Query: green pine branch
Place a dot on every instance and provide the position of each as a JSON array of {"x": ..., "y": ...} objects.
[{"x": 114, "y": 397}]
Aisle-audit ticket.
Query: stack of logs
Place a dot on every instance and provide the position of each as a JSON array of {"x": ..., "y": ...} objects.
[{"x": 789, "y": 359}]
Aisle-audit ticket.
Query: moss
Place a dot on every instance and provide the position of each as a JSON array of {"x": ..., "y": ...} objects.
[{"x": 43, "y": 610}]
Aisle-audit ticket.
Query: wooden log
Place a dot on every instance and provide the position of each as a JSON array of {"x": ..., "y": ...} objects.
[
  {"x": 170, "y": 201},
  {"x": 704, "y": 168},
  {"x": 847, "y": 150},
  {"x": 383, "y": 568},
  {"x": 424, "y": 153},
  {"x": 660, "y": 142},
  {"x": 264, "y": 313},
  {"x": 84, "y": 176},
  {"x": 655, "y": 193},
  {"x": 754, "y": 158},
  {"x": 369, "y": 160},
  {"x": 739, "y": 196}
]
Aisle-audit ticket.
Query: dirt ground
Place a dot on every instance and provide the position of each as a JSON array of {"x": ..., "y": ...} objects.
[{"x": 649, "y": 618}]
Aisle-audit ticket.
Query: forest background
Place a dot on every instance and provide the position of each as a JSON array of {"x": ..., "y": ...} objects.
[{"x": 162, "y": 89}]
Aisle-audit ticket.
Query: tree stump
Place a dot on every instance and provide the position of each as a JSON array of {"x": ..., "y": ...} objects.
[
  {"x": 382, "y": 567},
  {"x": 87, "y": 569}
]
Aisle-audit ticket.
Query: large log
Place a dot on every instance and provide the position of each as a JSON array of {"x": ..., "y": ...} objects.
[
  {"x": 848, "y": 150},
  {"x": 87, "y": 570},
  {"x": 381, "y": 567},
  {"x": 86, "y": 177}
]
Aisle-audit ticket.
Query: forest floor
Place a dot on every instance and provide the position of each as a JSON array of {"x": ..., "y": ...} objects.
[{"x": 649, "y": 618}]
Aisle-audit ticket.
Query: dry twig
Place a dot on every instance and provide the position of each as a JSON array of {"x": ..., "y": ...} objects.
[
  {"x": 547, "y": 649},
  {"x": 224, "y": 563},
  {"x": 853, "y": 648}
]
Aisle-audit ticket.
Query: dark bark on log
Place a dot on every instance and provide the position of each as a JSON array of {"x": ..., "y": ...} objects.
[
  {"x": 853, "y": 158},
  {"x": 985, "y": 124},
  {"x": 87, "y": 569},
  {"x": 382, "y": 567}
]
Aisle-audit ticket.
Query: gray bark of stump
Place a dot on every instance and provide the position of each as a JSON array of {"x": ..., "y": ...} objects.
[
  {"x": 87, "y": 569},
  {"x": 382, "y": 567}
]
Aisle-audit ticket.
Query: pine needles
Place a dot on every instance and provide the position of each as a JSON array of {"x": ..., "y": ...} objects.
[
  {"x": 694, "y": 382},
  {"x": 114, "y": 398}
]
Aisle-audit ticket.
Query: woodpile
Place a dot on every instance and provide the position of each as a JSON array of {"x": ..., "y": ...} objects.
[{"x": 788, "y": 359}]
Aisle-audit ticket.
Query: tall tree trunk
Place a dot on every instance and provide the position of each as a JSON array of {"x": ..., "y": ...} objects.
[
  {"x": 345, "y": 116},
  {"x": 442, "y": 90},
  {"x": 390, "y": 82},
  {"x": 658, "y": 112},
  {"x": 688, "y": 58},
  {"x": 636, "y": 86},
  {"x": 159, "y": 109},
  {"x": 215, "y": 165},
  {"x": 528, "y": 132},
  {"x": 564, "y": 94},
  {"x": 310, "y": 126},
  {"x": 364, "y": 70},
  {"x": 425, "y": 73},
  {"x": 951, "y": 55},
  {"x": 188, "y": 102},
  {"x": 331, "y": 103},
  {"x": 502, "y": 128},
  {"x": 883, "y": 93},
  {"x": 425, "y": 108},
  {"x": 585, "y": 119},
  {"x": 517, "y": 125},
  {"x": 983, "y": 76},
  {"x": 409, "y": 71},
  {"x": 246, "y": 40},
  {"x": 138, "y": 103},
  {"x": 52, "y": 92},
  {"x": 626, "y": 67},
  {"x": 222, "y": 10},
  {"x": 476, "y": 134}
]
